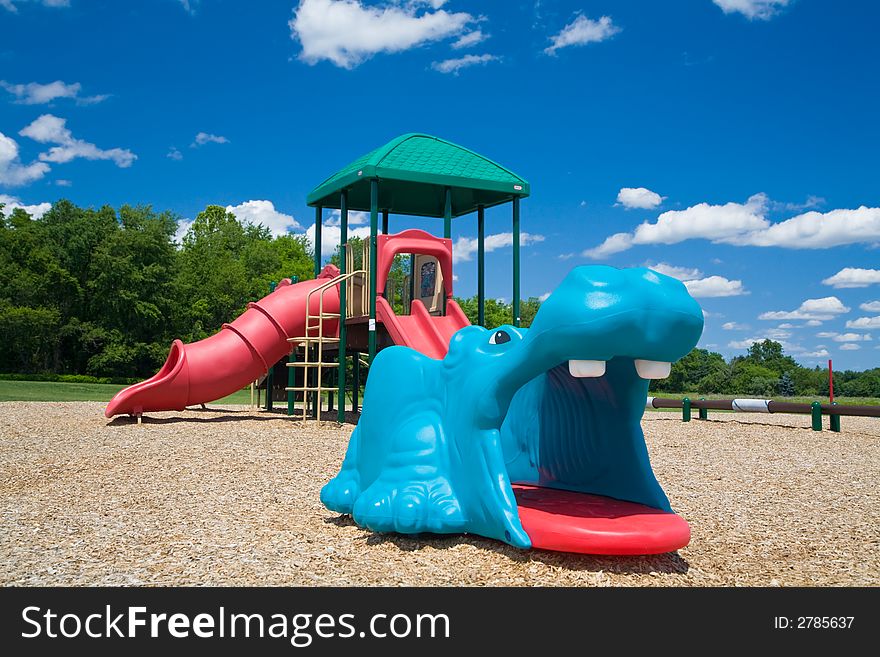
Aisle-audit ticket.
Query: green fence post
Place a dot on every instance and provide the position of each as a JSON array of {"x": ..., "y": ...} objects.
[
  {"x": 704, "y": 412},
  {"x": 834, "y": 420},
  {"x": 816, "y": 414},
  {"x": 291, "y": 382},
  {"x": 270, "y": 374},
  {"x": 686, "y": 409},
  {"x": 356, "y": 381}
]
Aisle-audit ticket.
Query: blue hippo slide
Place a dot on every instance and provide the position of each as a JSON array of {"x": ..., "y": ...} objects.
[{"x": 529, "y": 436}]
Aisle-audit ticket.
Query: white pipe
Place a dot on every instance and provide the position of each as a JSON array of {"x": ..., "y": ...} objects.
[
  {"x": 751, "y": 405},
  {"x": 649, "y": 403}
]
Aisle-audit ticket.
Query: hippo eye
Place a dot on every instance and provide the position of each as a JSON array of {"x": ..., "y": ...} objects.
[{"x": 499, "y": 337}]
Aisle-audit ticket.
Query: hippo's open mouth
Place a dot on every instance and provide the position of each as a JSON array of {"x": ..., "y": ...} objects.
[
  {"x": 571, "y": 436},
  {"x": 577, "y": 459}
]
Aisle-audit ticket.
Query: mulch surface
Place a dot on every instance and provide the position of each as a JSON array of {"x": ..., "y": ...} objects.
[{"x": 229, "y": 496}]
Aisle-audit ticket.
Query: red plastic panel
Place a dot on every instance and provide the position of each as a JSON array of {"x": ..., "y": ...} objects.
[
  {"x": 413, "y": 241},
  {"x": 566, "y": 521}
]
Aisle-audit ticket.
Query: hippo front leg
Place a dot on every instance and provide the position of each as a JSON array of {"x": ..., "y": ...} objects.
[
  {"x": 412, "y": 493},
  {"x": 340, "y": 492},
  {"x": 500, "y": 517}
]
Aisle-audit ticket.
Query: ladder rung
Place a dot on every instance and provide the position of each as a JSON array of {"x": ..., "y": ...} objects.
[
  {"x": 303, "y": 364},
  {"x": 307, "y": 389},
  {"x": 312, "y": 338}
]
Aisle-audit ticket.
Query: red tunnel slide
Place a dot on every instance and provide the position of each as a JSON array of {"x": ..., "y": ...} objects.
[{"x": 240, "y": 353}]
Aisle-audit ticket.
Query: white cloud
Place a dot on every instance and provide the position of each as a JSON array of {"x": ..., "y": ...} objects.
[
  {"x": 183, "y": 227},
  {"x": 787, "y": 326},
  {"x": 818, "y": 309},
  {"x": 10, "y": 5},
  {"x": 746, "y": 224},
  {"x": 849, "y": 347},
  {"x": 700, "y": 288},
  {"x": 61, "y": 182},
  {"x": 734, "y": 326},
  {"x": 50, "y": 129},
  {"x": 614, "y": 244},
  {"x": 10, "y": 203},
  {"x": 331, "y": 235},
  {"x": 542, "y": 298},
  {"x": 465, "y": 247},
  {"x": 870, "y": 306},
  {"x": 845, "y": 337},
  {"x": 863, "y": 323},
  {"x": 265, "y": 214},
  {"x": 638, "y": 197},
  {"x": 820, "y": 353},
  {"x": 681, "y": 273},
  {"x": 174, "y": 154},
  {"x": 714, "y": 286},
  {"x": 814, "y": 322},
  {"x": 12, "y": 171},
  {"x": 745, "y": 344},
  {"x": 203, "y": 138},
  {"x": 752, "y": 9},
  {"x": 456, "y": 64},
  {"x": 811, "y": 203},
  {"x": 34, "y": 93},
  {"x": 355, "y": 218},
  {"x": 581, "y": 31},
  {"x": 347, "y": 32},
  {"x": 469, "y": 39},
  {"x": 853, "y": 277},
  {"x": 717, "y": 223},
  {"x": 818, "y": 230},
  {"x": 189, "y": 6}
]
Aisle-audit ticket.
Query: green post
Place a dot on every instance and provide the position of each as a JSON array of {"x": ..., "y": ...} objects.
[
  {"x": 269, "y": 383},
  {"x": 356, "y": 388},
  {"x": 447, "y": 215},
  {"x": 704, "y": 412},
  {"x": 834, "y": 420},
  {"x": 384, "y": 222},
  {"x": 816, "y": 413},
  {"x": 291, "y": 382},
  {"x": 374, "y": 229},
  {"x": 412, "y": 282},
  {"x": 686, "y": 409},
  {"x": 270, "y": 373},
  {"x": 516, "y": 261},
  {"x": 447, "y": 229},
  {"x": 481, "y": 265},
  {"x": 319, "y": 215},
  {"x": 343, "y": 240}
]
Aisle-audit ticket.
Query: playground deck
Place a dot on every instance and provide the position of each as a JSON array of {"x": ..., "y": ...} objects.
[{"x": 223, "y": 498}]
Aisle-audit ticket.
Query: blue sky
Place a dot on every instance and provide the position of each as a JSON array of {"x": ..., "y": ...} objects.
[{"x": 733, "y": 143}]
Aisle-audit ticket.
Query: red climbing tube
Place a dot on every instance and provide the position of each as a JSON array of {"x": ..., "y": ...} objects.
[{"x": 240, "y": 353}]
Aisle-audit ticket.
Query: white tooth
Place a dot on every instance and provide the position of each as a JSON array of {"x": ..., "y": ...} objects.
[
  {"x": 653, "y": 369},
  {"x": 586, "y": 368}
]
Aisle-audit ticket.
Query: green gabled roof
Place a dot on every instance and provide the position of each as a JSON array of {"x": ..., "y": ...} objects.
[{"x": 414, "y": 171}]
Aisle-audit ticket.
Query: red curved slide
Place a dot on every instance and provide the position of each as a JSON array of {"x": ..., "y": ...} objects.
[{"x": 240, "y": 353}]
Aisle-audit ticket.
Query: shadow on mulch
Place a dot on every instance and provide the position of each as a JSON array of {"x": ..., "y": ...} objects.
[
  {"x": 668, "y": 563},
  {"x": 230, "y": 415}
]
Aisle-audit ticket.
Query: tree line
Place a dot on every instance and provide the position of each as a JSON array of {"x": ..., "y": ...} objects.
[{"x": 103, "y": 293}]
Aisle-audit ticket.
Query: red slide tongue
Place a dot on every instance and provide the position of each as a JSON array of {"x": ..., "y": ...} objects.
[{"x": 566, "y": 521}]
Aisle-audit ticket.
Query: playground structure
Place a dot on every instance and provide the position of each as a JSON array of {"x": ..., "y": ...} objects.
[
  {"x": 314, "y": 327},
  {"x": 815, "y": 409}
]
